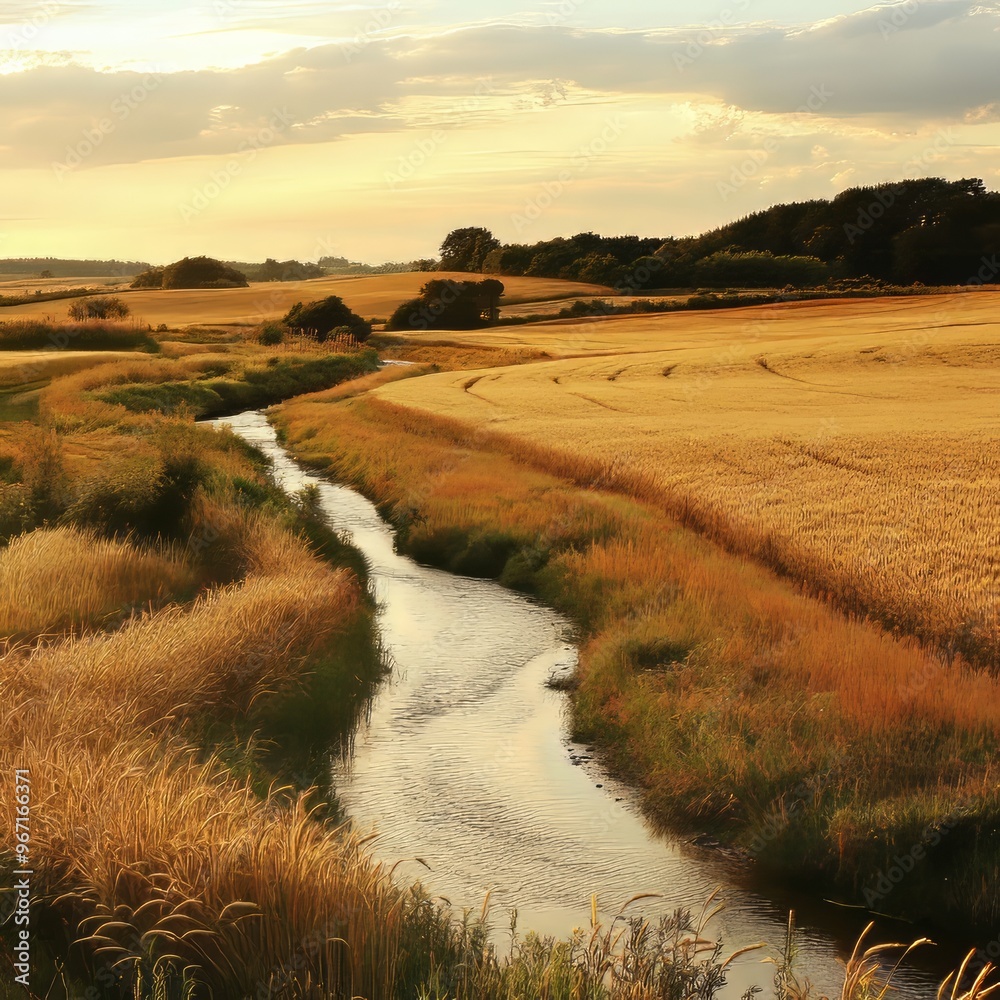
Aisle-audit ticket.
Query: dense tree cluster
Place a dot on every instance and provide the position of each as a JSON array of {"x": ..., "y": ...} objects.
[
  {"x": 341, "y": 265},
  {"x": 280, "y": 270},
  {"x": 932, "y": 231},
  {"x": 192, "y": 272},
  {"x": 450, "y": 305}
]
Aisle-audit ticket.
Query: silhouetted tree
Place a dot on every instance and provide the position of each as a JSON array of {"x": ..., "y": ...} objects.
[{"x": 467, "y": 249}]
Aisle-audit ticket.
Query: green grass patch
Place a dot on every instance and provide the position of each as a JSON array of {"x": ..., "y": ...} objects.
[{"x": 257, "y": 387}]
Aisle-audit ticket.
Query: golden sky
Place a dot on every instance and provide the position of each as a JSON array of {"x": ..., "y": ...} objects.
[{"x": 244, "y": 128}]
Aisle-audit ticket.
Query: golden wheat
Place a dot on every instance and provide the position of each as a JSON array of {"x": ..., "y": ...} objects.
[
  {"x": 64, "y": 579},
  {"x": 850, "y": 445},
  {"x": 143, "y": 841}
]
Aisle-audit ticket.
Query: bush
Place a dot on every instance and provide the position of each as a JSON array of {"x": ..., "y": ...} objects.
[
  {"x": 100, "y": 307},
  {"x": 271, "y": 334},
  {"x": 321, "y": 318}
]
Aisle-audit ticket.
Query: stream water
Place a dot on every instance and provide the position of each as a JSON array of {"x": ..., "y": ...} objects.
[{"x": 465, "y": 763}]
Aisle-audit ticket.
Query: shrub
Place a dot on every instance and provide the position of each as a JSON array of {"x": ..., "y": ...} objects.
[
  {"x": 258, "y": 386},
  {"x": 149, "y": 496},
  {"x": 99, "y": 307},
  {"x": 271, "y": 334}
]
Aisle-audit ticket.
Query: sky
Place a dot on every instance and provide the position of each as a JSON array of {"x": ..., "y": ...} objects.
[{"x": 244, "y": 129}]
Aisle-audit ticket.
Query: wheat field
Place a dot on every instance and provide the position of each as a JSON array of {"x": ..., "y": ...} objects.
[
  {"x": 850, "y": 445},
  {"x": 373, "y": 296}
]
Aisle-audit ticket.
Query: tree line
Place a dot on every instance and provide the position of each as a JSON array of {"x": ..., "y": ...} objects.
[{"x": 929, "y": 231}]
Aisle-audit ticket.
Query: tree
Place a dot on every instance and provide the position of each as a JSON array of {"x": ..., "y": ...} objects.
[
  {"x": 100, "y": 307},
  {"x": 271, "y": 334},
  {"x": 731, "y": 269},
  {"x": 467, "y": 249},
  {"x": 321, "y": 318},
  {"x": 513, "y": 259},
  {"x": 599, "y": 269},
  {"x": 489, "y": 292}
]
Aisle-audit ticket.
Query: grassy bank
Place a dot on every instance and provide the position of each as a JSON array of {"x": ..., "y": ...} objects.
[
  {"x": 823, "y": 746},
  {"x": 248, "y": 389}
]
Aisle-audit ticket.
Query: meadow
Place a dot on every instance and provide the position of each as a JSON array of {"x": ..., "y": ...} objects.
[
  {"x": 707, "y": 513},
  {"x": 716, "y": 687}
]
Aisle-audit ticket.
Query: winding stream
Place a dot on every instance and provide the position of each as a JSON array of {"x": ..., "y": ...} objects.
[{"x": 465, "y": 763}]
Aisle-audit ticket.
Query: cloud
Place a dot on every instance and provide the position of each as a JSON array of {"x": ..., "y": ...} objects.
[
  {"x": 318, "y": 96},
  {"x": 937, "y": 57},
  {"x": 918, "y": 61}
]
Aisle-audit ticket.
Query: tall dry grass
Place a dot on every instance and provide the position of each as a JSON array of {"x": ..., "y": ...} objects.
[
  {"x": 64, "y": 579},
  {"x": 153, "y": 856}
]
